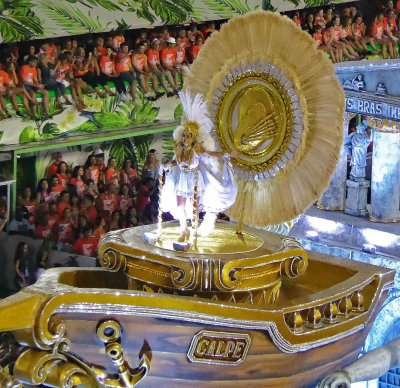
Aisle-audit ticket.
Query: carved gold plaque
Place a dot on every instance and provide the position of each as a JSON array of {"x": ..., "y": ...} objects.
[
  {"x": 255, "y": 119},
  {"x": 219, "y": 348}
]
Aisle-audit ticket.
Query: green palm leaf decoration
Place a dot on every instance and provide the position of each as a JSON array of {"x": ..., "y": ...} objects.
[
  {"x": 171, "y": 11},
  {"x": 107, "y": 4},
  {"x": 228, "y": 8},
  {"x": 142, "y": 146},
  {"x": 73, "y": 21},
  {"x": 316, "y": 3},
  {"x": 123, "y": 149},
  {"x": 18, "y": 22}
]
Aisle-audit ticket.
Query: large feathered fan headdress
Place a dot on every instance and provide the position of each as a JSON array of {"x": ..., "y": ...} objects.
[{"x": 275, "y": 100}]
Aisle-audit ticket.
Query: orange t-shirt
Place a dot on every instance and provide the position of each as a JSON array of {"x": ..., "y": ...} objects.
[
  {"x": 78, "y": 70},
  {"x": 378, "y": 29},
  {"x": 107, "y": 65},
  {"x": 61, "y": 207},
  {"x": 153, "y": 56},
  {"x": 4, "y": 80},
  {"x": 140, "y": 60},
  {"x": 318, "y": 38},
  {"x": 61, "y": 72},
  {"x": 168, "y": 55},
  {"x": 28, "y": 74},
  {"x": 358, "y": 30},
  {"x": 123, "y": 63},
  {"x": 194, "y": 52},
  {"x": 337, "y": 33},
  {"x": 180, "y": 55},
  {"x": 101, "y": 51}
]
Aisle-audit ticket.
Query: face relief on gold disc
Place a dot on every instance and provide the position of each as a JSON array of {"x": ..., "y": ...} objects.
[{"x": 255, "y": 118}]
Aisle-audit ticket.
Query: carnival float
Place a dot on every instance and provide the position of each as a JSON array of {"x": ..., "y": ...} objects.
[{"x": 214, "y": 303}]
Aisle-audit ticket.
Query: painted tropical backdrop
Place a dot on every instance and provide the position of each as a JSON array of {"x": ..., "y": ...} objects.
[
  {"x": 102, "y": 115},
  {"x": 28, "y": 19}
]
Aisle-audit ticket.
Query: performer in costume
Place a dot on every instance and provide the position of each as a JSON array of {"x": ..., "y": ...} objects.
[{"x": 195, "y": 165}]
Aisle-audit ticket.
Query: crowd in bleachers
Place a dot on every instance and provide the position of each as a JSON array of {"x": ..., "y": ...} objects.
[
  {"x": 72, "y": 210},
  {"x": 154, "y": 57},
  {"x": 343, "y": 34},
  {"x": 89, "y": 63}
]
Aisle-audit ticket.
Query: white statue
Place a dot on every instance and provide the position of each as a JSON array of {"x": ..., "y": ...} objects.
[
  {"x": 370, "y": 366},
  {"x": 356, "y": 145}
]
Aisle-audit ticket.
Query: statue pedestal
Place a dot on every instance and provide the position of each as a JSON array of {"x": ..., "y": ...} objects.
[{"x": 356, "y": 201}]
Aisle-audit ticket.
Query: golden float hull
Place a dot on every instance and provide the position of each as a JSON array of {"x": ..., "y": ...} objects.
[{"x": 318, "y": 324}]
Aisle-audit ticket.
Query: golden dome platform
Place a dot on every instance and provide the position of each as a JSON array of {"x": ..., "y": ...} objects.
[
  {"x": 224, "y": 265},
  {"x": 117, "y": 326}
]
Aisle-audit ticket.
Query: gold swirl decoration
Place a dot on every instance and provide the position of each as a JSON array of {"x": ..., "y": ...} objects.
[
  {"x": 274, "y": 99},
  {"x": 113, "y": 260}
]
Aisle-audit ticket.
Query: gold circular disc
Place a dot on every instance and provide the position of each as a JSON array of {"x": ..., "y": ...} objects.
[{"x": 254, "y": 119}]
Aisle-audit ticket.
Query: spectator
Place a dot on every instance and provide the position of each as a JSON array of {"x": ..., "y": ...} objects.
[
  {"x": 108, "y": 73},
  {"x": 320, "y": 19},
  {"x": 22, "y": 266},
  {"x": 50, "y": 83},
  {"x": 108, "y": 201},
  {"x": 181, "y": 60},
  {"x": 63, "y": 175},
  {"x": 115, "y": 222},
  {"x": 112, "y": 173},
  {"x": 86, "y": 245},
  {"x": 53, "y": 214},
  {"x": 381, "y": 34},
  {"x": 132, "y": 218},
  {"x": 337, "y": 39},
  {"x": 76, "y": 182},
  {"x": 89, "y": 210},
  {"x": 91, "y": 189},
  {"x": 308, "y": 24},
  {"x": 143, "y": 72},
  {"x": 43, "y": 228},
  {"x": 19, "y": 224},
  {"x": 100, "y": 50},
  {"x": 125, "y": 199},
  {"x": 29, "y": 78},
  {"x": 153, "y": 60},
  {"x": 63, "y": 230},
  {"x": 63, "y": 202},
  {"x": 92, "y": 171},
  {"x": 42, "y": 191},
  {"x": 168, "y": 61},
  {"x": 195, "y": 48},
  {"x": 31, "y": 53},
  {"x": 87, "y": 70},
  {"x": 4, "y": 92},
  {"x": 358, "y": 29},
  {"x": 151, "y": 167},
  {"x": 55, "y": 188},
  {"x": 29, "y": 203},
  {"x": 125, "y": 70},
  {"x": 129, "y": 175},
  {"x": 53, "y": 168},
  {"x": 100, "y": 230},
  {"x": 14, "y": 90},
  {"x": 334, "y": 51}
]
